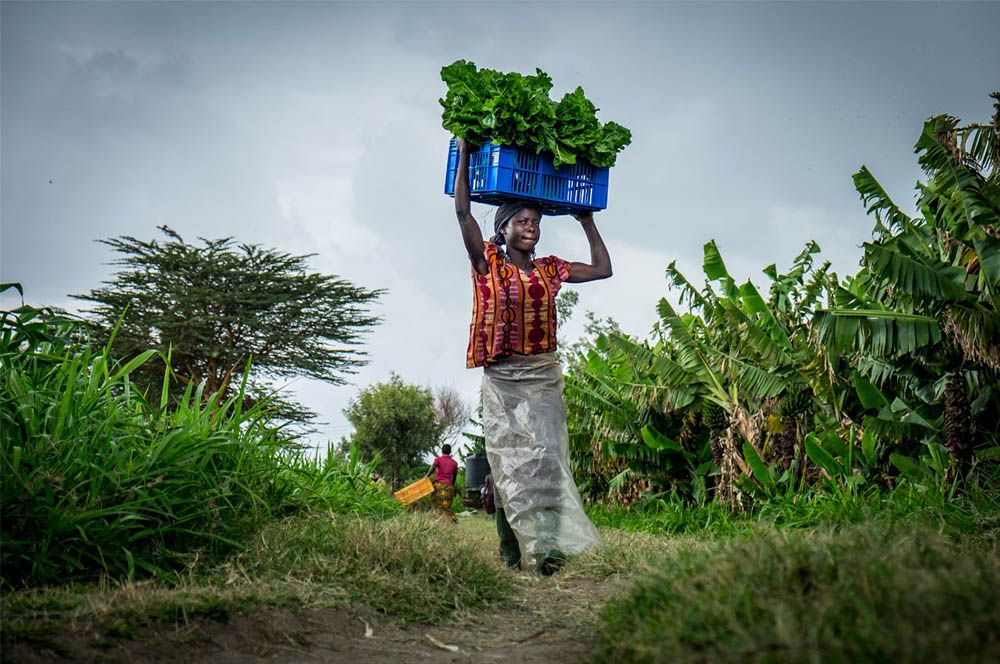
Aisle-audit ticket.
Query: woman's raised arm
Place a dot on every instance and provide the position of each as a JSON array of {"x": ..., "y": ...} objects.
[
  {"x": 471, "y": 234},
  {"x": 600, "y": 262}
]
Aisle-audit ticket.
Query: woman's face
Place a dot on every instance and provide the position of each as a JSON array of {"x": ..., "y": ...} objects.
[{"x": 523, "y": 230}]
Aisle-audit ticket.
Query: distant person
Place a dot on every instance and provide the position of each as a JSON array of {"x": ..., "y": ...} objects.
[
  {"x": 487, "y": 495},
  {"x": 445, "y": 471},
  {"x": 376, "y": 481},
  {"x": 540, "y": 516}
]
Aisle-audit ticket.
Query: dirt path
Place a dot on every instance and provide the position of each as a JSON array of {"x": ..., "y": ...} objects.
[{"x": 547, "y": 620}]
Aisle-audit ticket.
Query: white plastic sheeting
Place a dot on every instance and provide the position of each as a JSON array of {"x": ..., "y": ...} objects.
[{"x": 524, "y": 420}]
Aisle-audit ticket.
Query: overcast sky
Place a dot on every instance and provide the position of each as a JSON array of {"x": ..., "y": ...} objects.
[{"x": 315, "y": 128}]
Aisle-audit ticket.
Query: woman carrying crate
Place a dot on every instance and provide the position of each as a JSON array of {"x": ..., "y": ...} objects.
[{"x": 540, "y": 516}]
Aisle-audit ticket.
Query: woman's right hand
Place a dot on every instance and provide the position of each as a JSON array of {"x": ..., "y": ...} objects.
[{"x": 463, "y": 145}]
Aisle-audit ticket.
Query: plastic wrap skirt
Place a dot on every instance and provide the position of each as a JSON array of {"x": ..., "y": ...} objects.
[{"x": 527, "y": 444}]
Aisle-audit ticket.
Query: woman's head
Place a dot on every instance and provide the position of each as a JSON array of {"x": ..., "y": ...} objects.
[
  {"x": 446, "y": 449},
  {"x": 518, "y": 224}
]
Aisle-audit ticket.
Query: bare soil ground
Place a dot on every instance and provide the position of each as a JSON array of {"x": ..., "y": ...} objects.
[{"x": 548, "y": 620}]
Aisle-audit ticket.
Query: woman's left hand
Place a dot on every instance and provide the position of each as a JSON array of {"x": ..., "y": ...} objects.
[{"x": 583, "y": 217}]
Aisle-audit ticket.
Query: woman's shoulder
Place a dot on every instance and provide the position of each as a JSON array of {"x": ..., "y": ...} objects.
[
  {"x": 554, "y": 267},
  {"x": 492, "y": 253}
]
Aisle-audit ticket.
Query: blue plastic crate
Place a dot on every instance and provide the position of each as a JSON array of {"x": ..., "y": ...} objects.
[{"x": 499, "y": 173}]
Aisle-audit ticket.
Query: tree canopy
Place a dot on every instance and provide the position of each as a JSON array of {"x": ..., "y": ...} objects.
[
  {"x": 222, "y": 306},
  {"x": 396, "y": 421}
]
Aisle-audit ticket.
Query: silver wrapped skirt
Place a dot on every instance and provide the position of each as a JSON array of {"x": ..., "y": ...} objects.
[{"x": 524, "y": 420}]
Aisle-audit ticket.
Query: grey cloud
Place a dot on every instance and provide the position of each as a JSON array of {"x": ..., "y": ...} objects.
[{"x": 315, "y": 128}]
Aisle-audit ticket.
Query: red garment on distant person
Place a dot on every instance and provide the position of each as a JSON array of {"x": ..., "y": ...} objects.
[
  {"x": 513, "y": 311},
  {"x": 447, "y": 468}
]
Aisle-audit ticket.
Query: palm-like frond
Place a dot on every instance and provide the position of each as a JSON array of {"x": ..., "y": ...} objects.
[
  {"x": 921, "y": 277},
  {"x": 689, "y": 295},
  {"x": 987, "y": 251},
  {"x": 715, "y": 269},
  {"x": 976, "y": 330},
  {"x": 756, "y": 383},
  {"x": 818, "y": 286},
  {"x": 878, "y": 370},
  {"x": 983, "y": 145},
  {"x": 879, "y": 332},
  {"x": 889, "y": 218},
  {"x": 956, "y": 187},
  {"x": 754, "y": 305},
  {"x": 758, "y": 338}
]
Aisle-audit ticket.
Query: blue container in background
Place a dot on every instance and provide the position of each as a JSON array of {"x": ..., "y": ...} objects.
[{"x": 500, "y": 173}]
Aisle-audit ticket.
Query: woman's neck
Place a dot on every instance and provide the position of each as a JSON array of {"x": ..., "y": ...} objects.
[{"x": 520, "y": 259}]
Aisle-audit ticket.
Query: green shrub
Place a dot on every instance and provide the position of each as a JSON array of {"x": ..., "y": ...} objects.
[
  {"x": 867, "y": 593},
  {"x": 97, "y": 480}
]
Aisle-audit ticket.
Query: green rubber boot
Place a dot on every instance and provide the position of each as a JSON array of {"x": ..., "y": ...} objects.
[
  {"x": 510, "y": 551},
  {"x": 552, "y": 562}
]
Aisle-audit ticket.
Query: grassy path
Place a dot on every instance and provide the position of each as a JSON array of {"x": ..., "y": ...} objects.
[
  {"x": 545, "y": 620},
  {"x": 307, "y": 592}
]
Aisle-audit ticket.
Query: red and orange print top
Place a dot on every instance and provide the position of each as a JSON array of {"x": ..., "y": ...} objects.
[{"x": 513, "y": 312}]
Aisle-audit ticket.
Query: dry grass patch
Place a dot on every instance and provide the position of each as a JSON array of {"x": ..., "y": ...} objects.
[
  {"x": 415, "y": 567},
  {"x": 625, "y": 553}
]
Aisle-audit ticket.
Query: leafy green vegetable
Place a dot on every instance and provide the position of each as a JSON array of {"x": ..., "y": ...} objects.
[{"x": 513, "y": 109}]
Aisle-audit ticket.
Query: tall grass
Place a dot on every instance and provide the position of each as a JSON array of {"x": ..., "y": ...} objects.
[
  {"x": 97, "y": 479},
  {"x": 870, "y": 592},
  {"x": 975, "y": 509}
]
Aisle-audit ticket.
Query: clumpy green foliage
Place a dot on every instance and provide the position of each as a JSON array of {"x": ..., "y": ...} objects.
[
  {"x": 741, "y": 394},
  {"x": 222, "y": 307},
  {"x": 512, "y": 109},
  {"x": 873, "y": 592},
  {"x": 397, "y": 422},
  {"x": 919, "y": 322},
  {"x": 98, "y": 480},
  {"x": 579, "y": 132}
]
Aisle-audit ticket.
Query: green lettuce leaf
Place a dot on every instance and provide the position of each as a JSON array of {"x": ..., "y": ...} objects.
[{"x": 514, "y": 109}]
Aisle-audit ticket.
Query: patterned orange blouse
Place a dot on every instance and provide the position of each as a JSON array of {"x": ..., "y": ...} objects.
[{"x": 513, "y": 312}]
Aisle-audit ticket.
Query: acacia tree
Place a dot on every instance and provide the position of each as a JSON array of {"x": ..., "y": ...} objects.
[
  {"x": 221, "y": 307},
  {"x": 396, "y": 421}
]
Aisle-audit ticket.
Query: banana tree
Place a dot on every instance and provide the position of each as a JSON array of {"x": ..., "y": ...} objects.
[
  {"x": 722, "y": 366},
  {"x": 920, "y": 318}
]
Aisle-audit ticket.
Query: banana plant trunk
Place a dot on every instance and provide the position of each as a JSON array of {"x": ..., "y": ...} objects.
[
  {"x": 958, "y": 419},
  {"x": 729, "y": 493},
  {"x": 733, "y": 465}
]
